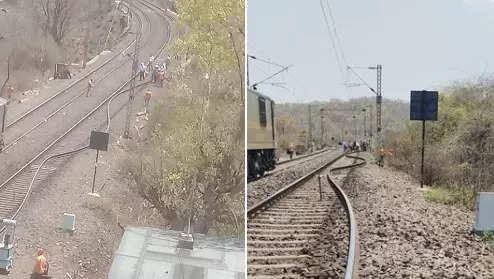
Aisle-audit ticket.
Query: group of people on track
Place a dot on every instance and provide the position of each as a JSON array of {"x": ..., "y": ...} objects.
[
  {"x": 157, "y": 70},
  {"x": 365, "y": 146}
]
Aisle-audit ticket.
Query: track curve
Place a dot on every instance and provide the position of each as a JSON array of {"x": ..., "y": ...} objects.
[{"x": 284, "y": 228}]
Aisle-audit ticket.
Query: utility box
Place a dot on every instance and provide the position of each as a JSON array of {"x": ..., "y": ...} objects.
[
  {"x": 484, "y": 220},
  {"x": 68, "y": 222}
]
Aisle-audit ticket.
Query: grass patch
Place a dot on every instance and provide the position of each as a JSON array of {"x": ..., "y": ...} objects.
[
  {"x": 451, "y": 196},
  {"x": 488, "y": 238}
]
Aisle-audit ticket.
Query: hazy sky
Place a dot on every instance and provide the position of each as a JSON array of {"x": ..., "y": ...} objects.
[{"x": 422, "y": 44}]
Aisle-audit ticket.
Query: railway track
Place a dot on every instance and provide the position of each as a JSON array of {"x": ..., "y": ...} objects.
[
  {"x": 285, "y": 164},
  {"x": 54, "y": 105},
  {"x": 77, "y": 82},
  {"x": 285, "y": 229},
  {"x": 302, "y": 157},
  {"x": 15, "y": 190}
]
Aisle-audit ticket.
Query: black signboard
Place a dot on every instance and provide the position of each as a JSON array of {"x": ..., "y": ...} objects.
[
  {"x": 423, "y": 105},
  {"x": 99, "y": 141}
]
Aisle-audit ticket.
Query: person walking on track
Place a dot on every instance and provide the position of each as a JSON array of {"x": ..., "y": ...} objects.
[
  {"x": 147, "y": 97},
  {"x": 154, "y": 77},
  {"x": 380, "y": 156},
  {"x": 150, "y": 63},
  {"x": 90, "y": 85},
  {"x": 142, "y": 70}
]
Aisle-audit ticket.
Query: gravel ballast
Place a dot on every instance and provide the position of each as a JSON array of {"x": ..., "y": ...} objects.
[
  {"x": 265, "y": 187},
  {"x": 404, "y": 236}
]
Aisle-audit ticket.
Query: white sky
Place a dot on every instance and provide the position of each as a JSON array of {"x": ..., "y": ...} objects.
[{"x": 422, "y": 44}]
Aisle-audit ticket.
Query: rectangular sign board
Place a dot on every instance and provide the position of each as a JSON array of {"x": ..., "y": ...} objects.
[
  {"x": 99, "y": 141},
  {"x": 423, "y": 105}
]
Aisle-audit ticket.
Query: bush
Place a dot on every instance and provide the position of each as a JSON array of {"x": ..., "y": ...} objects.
[
  {"x": 459, "y": 152},
  {"x": 451, "y": 196}
]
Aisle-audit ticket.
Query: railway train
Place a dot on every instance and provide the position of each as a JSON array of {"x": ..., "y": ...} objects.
[{"x": 261, "y": 140}]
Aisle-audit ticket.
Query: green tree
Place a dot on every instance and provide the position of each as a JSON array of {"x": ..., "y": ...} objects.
[{"x": 192, "y": 167}]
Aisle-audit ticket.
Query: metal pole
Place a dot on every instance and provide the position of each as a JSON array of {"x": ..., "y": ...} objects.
[
  {"x": 310, "y": 129},
  {"x": 95, "y": 168},
  {"x": 320, "y": 188},
  {"x": 132, "y": 92},
  {"x": 8, "y": 76},
  {"x": 248, "y": 80},
  {"x": 322, "y": 126},
  {"x": 423, "y": 147},
  {"x": 365, "y": 119},
  {"x": 378, "y": 104}
]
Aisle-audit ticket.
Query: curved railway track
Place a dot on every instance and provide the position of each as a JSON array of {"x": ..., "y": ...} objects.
[
  {"x": 284, "y": 228},
  {"x": 78, "y": 81},
  {"x": 302, "y": 156},
  {"x": 55, "y": 105},
  {"x": 285, "y": 164},
  {"x": 14, "y": 192}
]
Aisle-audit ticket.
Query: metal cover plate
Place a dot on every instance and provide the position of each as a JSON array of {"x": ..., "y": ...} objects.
[{"x": 484, "y": 220}]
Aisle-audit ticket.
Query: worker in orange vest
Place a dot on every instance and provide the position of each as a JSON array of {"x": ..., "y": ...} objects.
[
  {"x": 40, "y": 266},
  {"x": 380, "y": 156},
  {"x": 147, "y": 97}
]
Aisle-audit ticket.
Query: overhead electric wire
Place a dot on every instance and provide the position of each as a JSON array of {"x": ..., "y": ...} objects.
[
  {"x": 361, "y": 79},
  {"x": 332, "y": 40},
  {"x": 266, "y": 61},
  {"x": 338, "y": 42}
]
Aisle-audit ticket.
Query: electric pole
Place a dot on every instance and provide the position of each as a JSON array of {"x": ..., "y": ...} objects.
[
  {"x": 310, "y": 129},
  {"x": 378, "y": 105},
  {"x": 322, "y": 127},
  {"x": 378, "y": 93},
  {"x": 132, "y": 85},
  {"x": 86, "y": 47},
  {"x": 365, "y": 120}
]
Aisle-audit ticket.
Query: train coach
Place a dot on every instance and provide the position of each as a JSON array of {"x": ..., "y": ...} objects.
[{"x": 261, "y": 141}]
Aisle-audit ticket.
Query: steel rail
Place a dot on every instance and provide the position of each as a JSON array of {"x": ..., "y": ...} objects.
[
  {"x": 353, "y": 253},
  {"x": 111, "y": 96},
  {"x": 276, "y": 170},
  {"x": 118, "y": 91},
  {"x": 282, "y": 192},
  {"x": 53, "y": 113},
  {"x": 303, "y": 156},
  {"x": 71, "y": 85},
  {"x": 351, "y": 270},
  {"x": 73, "y": 99},
  {"x": 108, "y": 118},
  {"x": 36, "y": 174}
]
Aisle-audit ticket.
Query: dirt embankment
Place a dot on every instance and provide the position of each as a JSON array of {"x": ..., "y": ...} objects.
[{"x": 26, "y": 37}]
